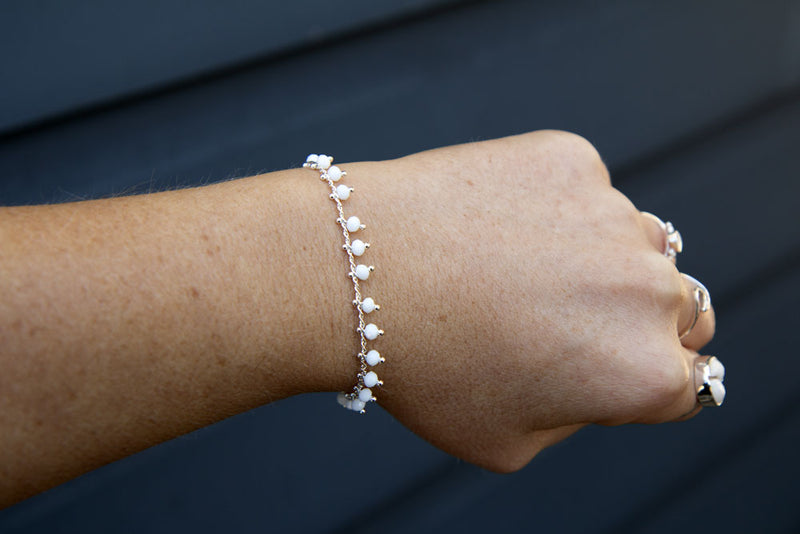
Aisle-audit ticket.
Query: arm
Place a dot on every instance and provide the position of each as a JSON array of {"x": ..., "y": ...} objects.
[
  {"x": 128, "y": 321},
  {"x": 522, "y": 300}
]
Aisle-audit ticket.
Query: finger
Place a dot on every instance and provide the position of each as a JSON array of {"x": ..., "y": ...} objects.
[
  {"x": 696, "y": 320},
  {"x": 707, "y": 384},
  {"x": 662, "y": 235},
  {"x": 671, "y": 395},
  {"x": 687, "y": 405},
  {"x": 655, "y": 230},
  {"x": 688, "y": 415}
]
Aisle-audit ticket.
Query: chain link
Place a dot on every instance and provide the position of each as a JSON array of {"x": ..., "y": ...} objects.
[{"x": 342, "y": 222}]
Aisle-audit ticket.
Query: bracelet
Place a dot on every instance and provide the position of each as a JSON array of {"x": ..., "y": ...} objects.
[{"x": 357, "y": 399}]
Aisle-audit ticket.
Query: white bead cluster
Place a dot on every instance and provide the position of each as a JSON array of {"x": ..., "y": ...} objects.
[{"x": 357, "y": 399}]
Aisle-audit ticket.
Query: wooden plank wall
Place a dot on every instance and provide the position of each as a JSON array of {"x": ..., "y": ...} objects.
[{"x": 695, "y": 107}]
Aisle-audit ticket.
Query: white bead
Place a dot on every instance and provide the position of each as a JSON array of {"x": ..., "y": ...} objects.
[
  {"x": 371, "y": 379},
  {"x": 342, "y": 191},
  {"x": 312, "y": 158},
  {"x": 371, "y": 331},
  {"x": 716, "y": 369},
  {"x": 353, "y": 224},
  {"x": 373, "y": 358},
  {"x": 323, "y": 161},
  {"x": 334, "y": 173},
  {"x": 717, "y": 390},
  {"x": 368, "y": 305},
  {"x": 342, "y": 399},
  {"x": 365, "y": 395},
  {"x": 358, "y": 247},
  {"x": 362, "y": 272},
  {"x": 357, "y": 405}
]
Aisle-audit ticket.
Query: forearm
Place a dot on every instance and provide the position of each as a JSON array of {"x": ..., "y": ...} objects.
[{"x": 128, "y": 321}]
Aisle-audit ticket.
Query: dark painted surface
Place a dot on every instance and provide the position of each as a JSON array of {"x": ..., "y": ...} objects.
[
  {"x": 58, "y": 57},
  {"x": 696, "y": 108}
]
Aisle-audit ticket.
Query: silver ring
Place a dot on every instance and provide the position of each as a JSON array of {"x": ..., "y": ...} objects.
[
  {"x": 673, "y": 242},
  {"x": 702, "y": 303},
  {"x": 708, "y": 376}
]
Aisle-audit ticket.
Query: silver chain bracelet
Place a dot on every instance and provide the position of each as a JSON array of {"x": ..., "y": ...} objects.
[{"x": 367, "y": 379}]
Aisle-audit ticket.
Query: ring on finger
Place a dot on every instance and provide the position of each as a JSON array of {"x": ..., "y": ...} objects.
[
  {"x": 673, "y": 242},
  {"x": 708, "y": 376},
  {"x": 702, "y": 303}
]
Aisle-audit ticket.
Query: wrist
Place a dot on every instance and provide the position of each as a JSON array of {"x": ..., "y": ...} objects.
[
  {"x": 333, "y": 346},
  {"x": 340, "y": 345}
]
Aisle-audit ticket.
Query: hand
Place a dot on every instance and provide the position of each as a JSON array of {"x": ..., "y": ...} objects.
[{"x": 524, "y": 298}]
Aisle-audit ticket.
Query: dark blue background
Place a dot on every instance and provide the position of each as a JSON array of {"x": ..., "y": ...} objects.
[{"x": 695, "y": 106}]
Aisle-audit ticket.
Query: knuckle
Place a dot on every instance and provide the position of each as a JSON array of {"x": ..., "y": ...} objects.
[
  {"x": 670, "y": 289},
  {"x": 657, "y": 277},
  {"x": 666, "y": 382},
  {"x": 651, "y": 375},
  {"x": 615, "y": 210}
]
